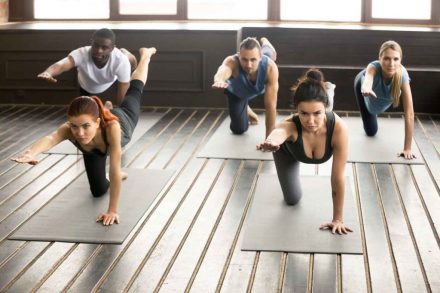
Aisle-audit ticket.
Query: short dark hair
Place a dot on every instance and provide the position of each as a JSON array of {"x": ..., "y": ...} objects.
[
  {"x": 105, "y": 33},
  {"x": 250, "y": 43}
]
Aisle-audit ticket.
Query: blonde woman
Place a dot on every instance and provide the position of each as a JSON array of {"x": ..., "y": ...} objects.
[{"x": 381, "y": 85}]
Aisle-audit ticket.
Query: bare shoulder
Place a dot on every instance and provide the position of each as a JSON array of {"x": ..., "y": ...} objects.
[
  {"x": 112, "y": 127},
  {"x": 272, "y": 66},
  {"x": 340, "y": 132},
  {"x": 64, "y": 131},
  {"x": 230, "y": 61},
  {"x": 289, "y": 127}
]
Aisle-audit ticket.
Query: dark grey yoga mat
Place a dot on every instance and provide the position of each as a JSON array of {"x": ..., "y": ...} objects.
[
  {"x": 272, "y": 225},
  {"x": 70, "y": 216},
  {"x": 381, "y": 148},
  {"x": 146, "y": 121},
  {"x": 223, "y": 144}
]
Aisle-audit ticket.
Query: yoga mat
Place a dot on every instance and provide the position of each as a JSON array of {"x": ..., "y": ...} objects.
[
  {"x": 71, "y": 215},
  {"x": 381, "y": 148},
  {"x": 146, "y": 121},
  {"x": 223, "y": 144},
  {"x": 272, "y": 225}
]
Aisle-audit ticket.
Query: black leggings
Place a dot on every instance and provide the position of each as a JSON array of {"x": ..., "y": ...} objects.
[
  {"x": 369, "y": 120},
  {"x": 288, "y": 175},
  {"x": 128, "y": 115}
]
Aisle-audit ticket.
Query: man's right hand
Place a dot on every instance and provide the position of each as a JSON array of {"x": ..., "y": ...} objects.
[
  {"x": 47, "y": 76},
  {"x": 220, "y": 85}
]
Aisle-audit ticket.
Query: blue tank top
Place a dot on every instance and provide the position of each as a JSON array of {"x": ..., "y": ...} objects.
[
  {"x": 296, "y": 148},
  {"x": 243, "y": 87}
]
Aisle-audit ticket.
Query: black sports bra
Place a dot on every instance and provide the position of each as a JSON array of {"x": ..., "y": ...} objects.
[{"x": 296, "y": 148}]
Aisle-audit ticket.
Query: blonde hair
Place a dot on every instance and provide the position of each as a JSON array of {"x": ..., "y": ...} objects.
[{"x": 396, "y": 82}]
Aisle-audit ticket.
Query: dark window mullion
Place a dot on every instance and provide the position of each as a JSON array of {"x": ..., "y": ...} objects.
[
  {"x": 273, "y": 10},
  {"x": 182, "y": 9}
]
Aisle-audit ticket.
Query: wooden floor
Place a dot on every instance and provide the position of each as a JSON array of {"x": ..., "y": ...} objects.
[{"x": 189, "y": 240}]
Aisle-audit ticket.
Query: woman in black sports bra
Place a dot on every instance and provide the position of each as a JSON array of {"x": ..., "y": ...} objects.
[
  {"x": 98, "y": 132},
  {"x": 311, "y": 136}
]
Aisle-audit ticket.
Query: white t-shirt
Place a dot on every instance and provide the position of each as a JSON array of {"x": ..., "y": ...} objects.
[{"x": 96, "y": 80}]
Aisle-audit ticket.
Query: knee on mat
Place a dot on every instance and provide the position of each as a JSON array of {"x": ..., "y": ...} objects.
[
  {"x": 238, "y": 130},
  {"x": 370, "y": 132},
  {"x": 98, "y": 192},
  {"x": 291, "y": 201}
]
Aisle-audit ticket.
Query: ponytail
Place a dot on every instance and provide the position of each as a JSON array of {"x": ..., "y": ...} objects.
[
  {"x": 104, "y": 114},
  {"x": 91, "y": 106}
]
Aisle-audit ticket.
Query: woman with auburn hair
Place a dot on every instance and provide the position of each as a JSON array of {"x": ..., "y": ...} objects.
[
  {"x": 381, "y": 85},
  {"x": 98, "y": 132},
  {"x": 311, "y": 136}
]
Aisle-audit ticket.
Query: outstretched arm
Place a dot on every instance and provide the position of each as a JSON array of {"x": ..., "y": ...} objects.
[
  {"x": 270, "y": 97},
  {"x": 282, "y": 131},
  {"x": 340, "y": 154},
  {"x": 57, "y": 68},
  {"x": 367, "y": 85},
  {"x": 409, "y": 121},
  {"x": 43, "y": 144},
  {"x": 224, "y": 72}
]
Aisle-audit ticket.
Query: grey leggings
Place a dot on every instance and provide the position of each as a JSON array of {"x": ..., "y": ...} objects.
[{"x": 288, "y": 175}]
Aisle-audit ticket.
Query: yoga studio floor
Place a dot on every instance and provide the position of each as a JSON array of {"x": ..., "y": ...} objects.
[{"x": 190, "y": 237}]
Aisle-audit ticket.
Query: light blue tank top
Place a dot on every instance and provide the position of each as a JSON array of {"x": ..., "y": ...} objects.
[
  {"x": 243, "y": 87},
  {"x": 382, "y": 91}
]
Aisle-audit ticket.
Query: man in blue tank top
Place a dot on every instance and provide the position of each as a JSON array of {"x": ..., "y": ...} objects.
[{"x": 246, "y": 75}]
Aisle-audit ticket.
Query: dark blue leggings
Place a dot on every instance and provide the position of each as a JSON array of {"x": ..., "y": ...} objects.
[
  {"x": 369, "y": 120},
  {"x": 128, "y": 115}
]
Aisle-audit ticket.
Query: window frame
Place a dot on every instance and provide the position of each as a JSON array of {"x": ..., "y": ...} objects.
[{"x": 23, "y": 10}]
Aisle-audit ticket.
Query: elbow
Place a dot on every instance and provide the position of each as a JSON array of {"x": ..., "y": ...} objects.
[{"x": 409, "y": 115}]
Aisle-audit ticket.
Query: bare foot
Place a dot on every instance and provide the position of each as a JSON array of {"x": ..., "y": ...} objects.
[
  {"x": 108, "y": 105},
  {"x": 131, "y": 58},
  {"x": 253, "y": 118},
  {"x": 147, "y": 52},
  {"x": 265, "y": 41}
]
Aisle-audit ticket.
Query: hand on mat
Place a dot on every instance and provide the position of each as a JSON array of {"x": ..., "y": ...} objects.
[
  {"x": 268, "y": 146},
  {"x": 25, "y": 158},
  {"x": 336, "y": 226},
  {"x": 220, "y": 85},
  {"x": 407, "y": 154},
  {"x": 47, "y": 77},
  {"x": 108, "y": 218},
  {"x": 368, "y": 93}
]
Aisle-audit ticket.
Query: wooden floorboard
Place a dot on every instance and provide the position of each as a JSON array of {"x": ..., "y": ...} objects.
[{"x": 189, "y": 239}]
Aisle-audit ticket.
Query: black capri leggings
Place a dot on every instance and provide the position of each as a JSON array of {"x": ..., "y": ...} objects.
[
  {"x": 128, "y": 115},
  {"x": 288, "y": 175}
]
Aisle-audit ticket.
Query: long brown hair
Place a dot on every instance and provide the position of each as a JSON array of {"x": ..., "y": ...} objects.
[
  {"x": 396, "y": 82},
  {"x": 91, "y": 106}
]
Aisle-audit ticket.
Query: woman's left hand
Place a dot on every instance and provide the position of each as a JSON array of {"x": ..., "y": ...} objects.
[
  {"x": 407, "y": 154},
  {"x": 336, "y": 226},
  {"x": 108, "y": 218}
]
